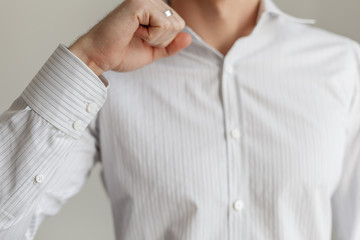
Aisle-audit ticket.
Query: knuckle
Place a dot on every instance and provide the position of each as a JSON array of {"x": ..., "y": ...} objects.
[
  {"x": 166, "y": 25},
  {"x": 162, "y": 45},
  {"x": 146, "y": 37},
  {"x": 179, "y": 25},
  {"x": 150, "y": 40},
  {"x": 153, "y": 35},
  {"x": 151, "y": 43},
  {"x": 182, "y": 23}
]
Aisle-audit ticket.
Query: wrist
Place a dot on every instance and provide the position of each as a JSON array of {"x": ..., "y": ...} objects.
[{"x": 82, "y": 49}]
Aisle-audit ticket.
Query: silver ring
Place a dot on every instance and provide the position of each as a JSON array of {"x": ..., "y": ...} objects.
[{"x": 168, "y": 13}]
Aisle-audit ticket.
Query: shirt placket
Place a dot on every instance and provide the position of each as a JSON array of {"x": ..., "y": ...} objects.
[{"x": 237, "y": 199}]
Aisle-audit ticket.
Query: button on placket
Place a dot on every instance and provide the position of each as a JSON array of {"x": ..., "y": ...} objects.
[
  {"x": 228, "y": 71},
  {"x": 235, "y": 133},
  {"x": 232, "y": 109},
  {"x": 238, "y": 205}
]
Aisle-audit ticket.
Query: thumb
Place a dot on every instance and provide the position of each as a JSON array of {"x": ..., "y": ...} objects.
[{"x": 181, "y": 41}]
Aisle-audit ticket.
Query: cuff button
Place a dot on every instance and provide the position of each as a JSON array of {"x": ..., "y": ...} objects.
[
  {"x": 91, "y": 107},
  {"x": 39, "y": 179},
  {"x": 77, "y": 125}
]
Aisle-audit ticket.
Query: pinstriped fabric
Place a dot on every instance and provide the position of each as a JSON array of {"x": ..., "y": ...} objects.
[
  {"x": 37, "y": 133},
  {"x": 53, "y": 91},
  {"x": 260, "y": 144}
]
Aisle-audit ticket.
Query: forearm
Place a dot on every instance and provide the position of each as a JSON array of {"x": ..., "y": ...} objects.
[{"x": 41, "y": 128}]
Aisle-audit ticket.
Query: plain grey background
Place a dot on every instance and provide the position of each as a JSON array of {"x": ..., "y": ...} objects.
[{"x": 30, "y": 32}]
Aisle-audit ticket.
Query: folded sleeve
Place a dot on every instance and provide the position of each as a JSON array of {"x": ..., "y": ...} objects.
[
  {"x": 346, "y": 199},
  {"x": 48, "y": 143}
]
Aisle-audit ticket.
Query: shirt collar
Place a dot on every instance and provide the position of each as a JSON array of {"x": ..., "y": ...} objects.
[{"x": 268, "y": 6}]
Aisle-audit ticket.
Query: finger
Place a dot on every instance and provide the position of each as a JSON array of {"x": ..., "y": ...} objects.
[
  {"x": 157, "y": 35},
  {"x": 152, "y": 26},
  {"x": 176, "y": 25},
  {"x": 142, "y": 32},
  {"x": 165, "y": 40},
  {"x": 159, "y": 28},
  {"x": 181, "y": 41}
]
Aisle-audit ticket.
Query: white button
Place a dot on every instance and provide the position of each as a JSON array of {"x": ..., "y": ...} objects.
[
  {"x": 238, "y": 205},
  {"x": 39, "y": 178},
  {"x": 91, "y": 107},
  {"x": 235, "y": 133},
  {"x": 77, "y": 125},
  {"x": 229, "y": 70}
]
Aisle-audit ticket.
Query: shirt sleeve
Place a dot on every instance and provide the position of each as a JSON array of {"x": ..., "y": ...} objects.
[
  {"x": 48, "y": 143},
  {"x": 346, "y": 199}
]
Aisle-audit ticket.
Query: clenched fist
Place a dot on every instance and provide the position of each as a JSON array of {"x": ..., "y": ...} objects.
[{"x": 136, "y": 33}]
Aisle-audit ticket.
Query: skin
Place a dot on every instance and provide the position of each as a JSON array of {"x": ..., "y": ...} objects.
[
  {"x": 219, "y": 22},
  {"x": 137, "y": 32}
]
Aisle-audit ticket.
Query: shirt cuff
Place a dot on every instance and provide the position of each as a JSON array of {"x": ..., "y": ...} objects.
[{"x": 66, "y": 93}]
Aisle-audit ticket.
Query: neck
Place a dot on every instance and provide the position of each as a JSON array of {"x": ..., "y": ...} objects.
[{"x": 219, "y": 22}]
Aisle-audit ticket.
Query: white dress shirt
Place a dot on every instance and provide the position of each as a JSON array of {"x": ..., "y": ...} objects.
[{"x": 260, "y": 144}]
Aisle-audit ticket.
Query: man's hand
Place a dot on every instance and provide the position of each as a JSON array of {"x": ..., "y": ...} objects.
[{"x": 136, "y": 33}]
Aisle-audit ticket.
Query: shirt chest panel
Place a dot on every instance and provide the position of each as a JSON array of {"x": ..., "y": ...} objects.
[
  {"x": 293, "y": 119},
  {"x": 168, "y": 127}
]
